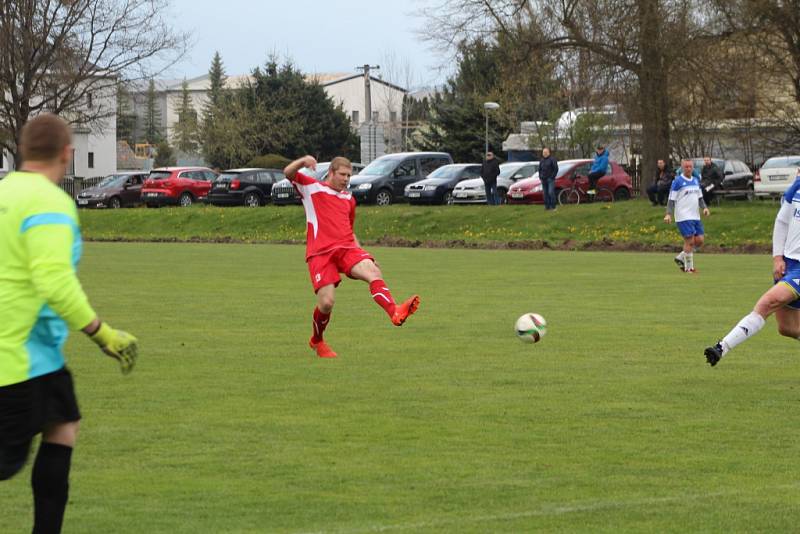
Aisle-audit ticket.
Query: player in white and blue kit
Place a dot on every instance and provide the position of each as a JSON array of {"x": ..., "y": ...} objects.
[
  {"x": 686, "y": 201},
  {"x": 783, "y": 298}
]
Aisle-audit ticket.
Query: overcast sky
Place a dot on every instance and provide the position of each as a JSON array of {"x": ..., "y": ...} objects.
[{"x": 318, "y": 35}]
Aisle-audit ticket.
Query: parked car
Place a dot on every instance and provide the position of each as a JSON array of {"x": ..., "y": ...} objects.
[
  {"x": 284, "y": 192},
  {"x": 530, "y": 191},
  {"x": 473, "y": 191},
  {"x": 438, "y": 187},
  {"x": 776, "y": 174},
  {"x": 384, "y": 181},
  {"x": 117, "y": 190},
  {"x": 244, "y": 187},
  {"x": 735, "y": 174},
  {"x": 182, "y": 186}
]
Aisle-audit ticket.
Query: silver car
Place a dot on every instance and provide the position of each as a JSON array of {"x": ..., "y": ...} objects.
[
  {"x": 777, "y": 174},
  {"x": 474, "y": 192}
]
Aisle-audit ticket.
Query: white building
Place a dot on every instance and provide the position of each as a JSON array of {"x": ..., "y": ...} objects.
[
  {"x": 345, "y": 89},
  {"x": 95, "y": 145}
]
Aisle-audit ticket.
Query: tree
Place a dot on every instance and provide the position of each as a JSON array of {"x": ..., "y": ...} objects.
[
  {"x": 457, "y": 120},
  {"x": 152, "y": 115},
  {"x": 185, "y": 131},
  {"x": 621, "y": 44},
  {"x": 165, "y": 157},
  {"x": 212, "y": 132},
  {"x": 65, "y": 57},
  {"x": 126, "y": 119}
]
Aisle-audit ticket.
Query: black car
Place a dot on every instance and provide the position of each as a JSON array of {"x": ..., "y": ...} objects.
[
  {"x": 114, "y": 191},
  {"x": 384, "y": 181},
  {"x": 284, "y": 193},
  {"x": 437, "y": 188},
  {"x": 244, "y": 187},
  {"x": 736, "y": 175}
]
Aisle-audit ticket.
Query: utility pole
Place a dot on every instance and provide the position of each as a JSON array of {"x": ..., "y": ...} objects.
[{"x": 367, "y": 91}]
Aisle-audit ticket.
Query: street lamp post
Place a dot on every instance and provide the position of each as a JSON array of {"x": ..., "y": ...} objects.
[{"x": 486, "y": 107}]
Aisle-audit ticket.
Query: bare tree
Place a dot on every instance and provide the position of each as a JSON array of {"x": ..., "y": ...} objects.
[
  {"x": 66, "y": 56},
  {"x": 624, "y": 43}
]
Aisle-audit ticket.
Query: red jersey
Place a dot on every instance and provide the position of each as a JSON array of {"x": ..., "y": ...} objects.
[{"x": 329, "y": 213}]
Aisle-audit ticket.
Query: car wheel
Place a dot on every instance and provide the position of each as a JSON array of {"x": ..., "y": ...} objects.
[
  {"x": 384, "y": 197},
  {"x": 622, "y": 193},
  {"x": 115, "y": 203},
  {"x": 501, "y": 195},
  {"x": 447, "y": 200},
  {"x": 252, "y": 200},
  {"x": 186, "y": 200},
  {"x": 569, "y": 196},
  {"x": 152, "y": 205}
]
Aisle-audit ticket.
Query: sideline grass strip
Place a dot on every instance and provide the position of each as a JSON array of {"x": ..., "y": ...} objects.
[{"x": 737, "y": 225}]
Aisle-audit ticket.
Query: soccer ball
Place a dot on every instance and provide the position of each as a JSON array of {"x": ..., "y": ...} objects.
[{"x": 531, "y": 327}]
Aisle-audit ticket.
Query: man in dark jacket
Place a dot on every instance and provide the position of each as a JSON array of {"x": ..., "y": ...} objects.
[
  {"x": 659, "y": 191},
  {"x": 710, "y": 179},
  {"x": 490, "y": 170},
  {"x": 548, "y": 170}
]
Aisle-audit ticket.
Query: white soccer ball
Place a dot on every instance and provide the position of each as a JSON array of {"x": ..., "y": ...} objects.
[{"x": 531, "y": 327}]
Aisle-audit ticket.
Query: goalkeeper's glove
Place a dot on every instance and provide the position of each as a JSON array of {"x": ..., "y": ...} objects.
[{"x": 118, "y": 344}]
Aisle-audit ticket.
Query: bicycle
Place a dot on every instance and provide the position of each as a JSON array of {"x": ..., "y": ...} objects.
[{"x": 577, "y": 193}]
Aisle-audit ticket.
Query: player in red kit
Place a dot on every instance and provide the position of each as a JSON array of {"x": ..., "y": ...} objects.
[{"x": 332, "y": 248}]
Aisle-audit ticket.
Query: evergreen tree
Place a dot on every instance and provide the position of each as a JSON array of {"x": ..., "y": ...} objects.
[
  {"x": 165, "y": 157},
  {"x": 152, "y": 116},
  {"x": 126, "y": 119},
  {"x": 185, "y": 130},
  {"x": 212, "y": 133}
]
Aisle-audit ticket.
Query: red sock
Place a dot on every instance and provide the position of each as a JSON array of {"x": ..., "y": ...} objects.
[
  {"x": 382, "y": 296},
  {"x": 320, "y": 322}
]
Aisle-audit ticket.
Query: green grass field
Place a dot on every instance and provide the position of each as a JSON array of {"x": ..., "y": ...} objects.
[{"x": 613, "y": 423}]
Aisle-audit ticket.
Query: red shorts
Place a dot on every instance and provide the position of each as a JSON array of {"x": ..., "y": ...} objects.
[{"x": 325, "y": 268}]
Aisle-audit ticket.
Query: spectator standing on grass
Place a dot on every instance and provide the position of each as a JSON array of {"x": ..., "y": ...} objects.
[
  {"x": 490, "y": 170},
  {"x": 659, "y": 190},
  {"x": 41, "y": 299},
  {"x": 599, "y": 168},
  {"x": 548, "y": 170},
  {"x": 710, "y": 179}
]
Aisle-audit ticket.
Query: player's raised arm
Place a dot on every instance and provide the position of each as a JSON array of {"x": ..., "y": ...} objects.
[{"x": 290, "y": 171}]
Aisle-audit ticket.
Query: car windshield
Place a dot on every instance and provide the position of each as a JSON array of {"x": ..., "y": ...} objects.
[
  {"x": 445, "y": 172},
  {"x": 507, "y": 171},
  {"x": 381, "y": 166},
  {"x": 113, "y": 180},
  {"x": 159, "y": 175},
  {"x": 227, "y": 176},
  {"x": 773, "y": 163}
]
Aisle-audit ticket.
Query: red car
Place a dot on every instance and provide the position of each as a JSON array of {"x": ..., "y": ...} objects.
[
  {"x": 182, "y": 186},
  {"x": 529, "y": 191}
]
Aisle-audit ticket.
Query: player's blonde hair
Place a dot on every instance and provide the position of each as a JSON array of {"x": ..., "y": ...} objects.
[{"x": 340, "y": 161}]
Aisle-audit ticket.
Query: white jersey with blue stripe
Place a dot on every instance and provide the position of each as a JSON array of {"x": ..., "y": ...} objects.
[
  {"x": 786, "y": 233},
  {"x": 686, "y": 194}
]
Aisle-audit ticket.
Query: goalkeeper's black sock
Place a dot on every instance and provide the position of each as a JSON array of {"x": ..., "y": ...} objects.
[{"x": 50, "y": 481}]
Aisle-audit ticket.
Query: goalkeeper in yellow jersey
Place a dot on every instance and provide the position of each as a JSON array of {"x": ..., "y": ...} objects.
[{"x": 40, "y": 301}]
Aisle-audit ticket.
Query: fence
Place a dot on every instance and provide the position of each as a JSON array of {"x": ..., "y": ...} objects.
[{"x": 75, "y": 184}]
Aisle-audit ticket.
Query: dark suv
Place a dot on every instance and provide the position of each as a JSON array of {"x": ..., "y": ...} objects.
[
  {"x": 385, "y": 179},
  {"x": 244, "y": 187},
  {"x": 114, "y": 191}
]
